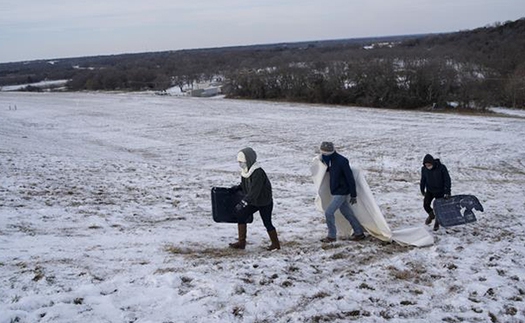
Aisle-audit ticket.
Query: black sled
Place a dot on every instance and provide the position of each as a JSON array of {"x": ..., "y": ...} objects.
[
  {"x": 456, "y": 210},
  {"x": 223, "y": 202}
]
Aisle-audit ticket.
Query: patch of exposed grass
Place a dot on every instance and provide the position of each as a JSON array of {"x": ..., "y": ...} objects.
[
  {"x": 162, "y": 271},
  {"x": 238, "y": 311},
  {"x": 204, "y": 253},
  {"x": 366, "y": 286},
  {"x": 291, "y": 244},
  {"x": 328, "y": 246},
  {"x": 402, "y": 274},
  {"x": 320, "y": 295},
  {"x": 339, "y": 255},
  {"x": 347, "y": 315},
  {"x": 177, "y": 250},
  {"x": 39, "y": 273}
]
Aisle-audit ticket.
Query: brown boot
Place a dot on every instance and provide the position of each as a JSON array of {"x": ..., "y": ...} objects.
[
  {"x": 430, "y": 217},
  {"x": 275, "y": 241},
  {"x": 241, "y": 243}
]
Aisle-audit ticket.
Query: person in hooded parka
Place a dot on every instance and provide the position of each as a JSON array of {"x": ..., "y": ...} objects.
[
  {"x": 435, "y": 183},
  {"x": 257, "y": 189}
]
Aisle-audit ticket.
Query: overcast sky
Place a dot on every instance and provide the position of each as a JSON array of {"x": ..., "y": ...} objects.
[{"x": 46, "y": 29}]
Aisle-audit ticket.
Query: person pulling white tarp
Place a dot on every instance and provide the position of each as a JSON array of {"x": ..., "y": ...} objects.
[{"x": 366, "y": 210}]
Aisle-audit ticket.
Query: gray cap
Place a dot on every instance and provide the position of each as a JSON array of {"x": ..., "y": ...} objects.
[{"x": 327, "y": 146}]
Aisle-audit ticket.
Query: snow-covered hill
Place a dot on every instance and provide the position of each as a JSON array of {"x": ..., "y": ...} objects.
[{"x": 105, "y": 213}]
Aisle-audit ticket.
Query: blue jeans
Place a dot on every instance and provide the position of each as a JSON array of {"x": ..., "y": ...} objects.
[{"x": 341, "y": 202}]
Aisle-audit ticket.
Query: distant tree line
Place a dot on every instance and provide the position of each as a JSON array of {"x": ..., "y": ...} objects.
[{"x": 474, "y": 69}]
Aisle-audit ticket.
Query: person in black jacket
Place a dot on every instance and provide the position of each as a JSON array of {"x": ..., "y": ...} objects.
[
  {"x": 343, "y": 190},
  {"x": 258, "y": 197},
  {"x": 435, "y": 183}
]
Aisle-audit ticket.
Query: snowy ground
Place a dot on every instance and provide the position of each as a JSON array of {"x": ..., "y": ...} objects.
[
  {"x": 105, "y": 213},
  {"x": 512, "y": 112},
  {"x": 42, "y": 84}
]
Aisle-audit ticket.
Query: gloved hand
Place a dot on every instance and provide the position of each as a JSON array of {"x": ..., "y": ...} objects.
[
  {"x": 353, "y": 200},
  {"x": 423, "y": 193},
  {"x": 446, "y": 196},
  {"x": 241, "y": 205}
]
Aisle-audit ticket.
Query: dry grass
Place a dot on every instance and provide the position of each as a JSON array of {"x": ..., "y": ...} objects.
[
  {"x": 402, "y": 274},
  {"x": 204, "y": 252}
]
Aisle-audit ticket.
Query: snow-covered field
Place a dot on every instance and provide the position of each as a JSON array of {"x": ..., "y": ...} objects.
[
  {"x": 105, "y": 213},
  {"x": 42, "y": 85}
]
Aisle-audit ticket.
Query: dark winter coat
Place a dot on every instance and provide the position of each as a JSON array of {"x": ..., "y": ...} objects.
[
  {"x": 341, "y": 177},
  {"x": 435, "y": 180},
  {"x": 257, "y": 187}
]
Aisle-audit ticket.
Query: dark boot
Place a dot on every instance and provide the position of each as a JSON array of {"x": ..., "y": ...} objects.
[
  {"x": 241, "y": 243},
  {"x": 436, "y": 225},
  {"x": 275, "y": 241},
  {"x": 357, "y": 237},
  {"x": 430, "y": 217}
]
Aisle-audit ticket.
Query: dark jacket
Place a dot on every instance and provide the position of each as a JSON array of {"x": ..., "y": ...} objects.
[
  {"x": 341, "y": 177},
  {"x": 435, "y": 180},
  {"x": 257, "y": 187}
]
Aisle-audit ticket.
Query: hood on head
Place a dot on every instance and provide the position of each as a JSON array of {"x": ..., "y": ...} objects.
[
  {"x": 250, "y": 157},
  {"x": 428, "y": 159}
]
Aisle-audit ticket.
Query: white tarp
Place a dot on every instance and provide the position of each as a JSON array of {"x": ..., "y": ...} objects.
[{"x": 366, "y": 210}]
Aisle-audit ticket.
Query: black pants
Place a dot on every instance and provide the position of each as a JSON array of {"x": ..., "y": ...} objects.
[
  {"x": 429, "y": 196},
  {"x": 264, "y": 211}
]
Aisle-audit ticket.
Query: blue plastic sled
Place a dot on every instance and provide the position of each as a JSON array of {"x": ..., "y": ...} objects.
[
  {"x": 456, "y": 210},
  {"x": 223, "y": 202}
]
